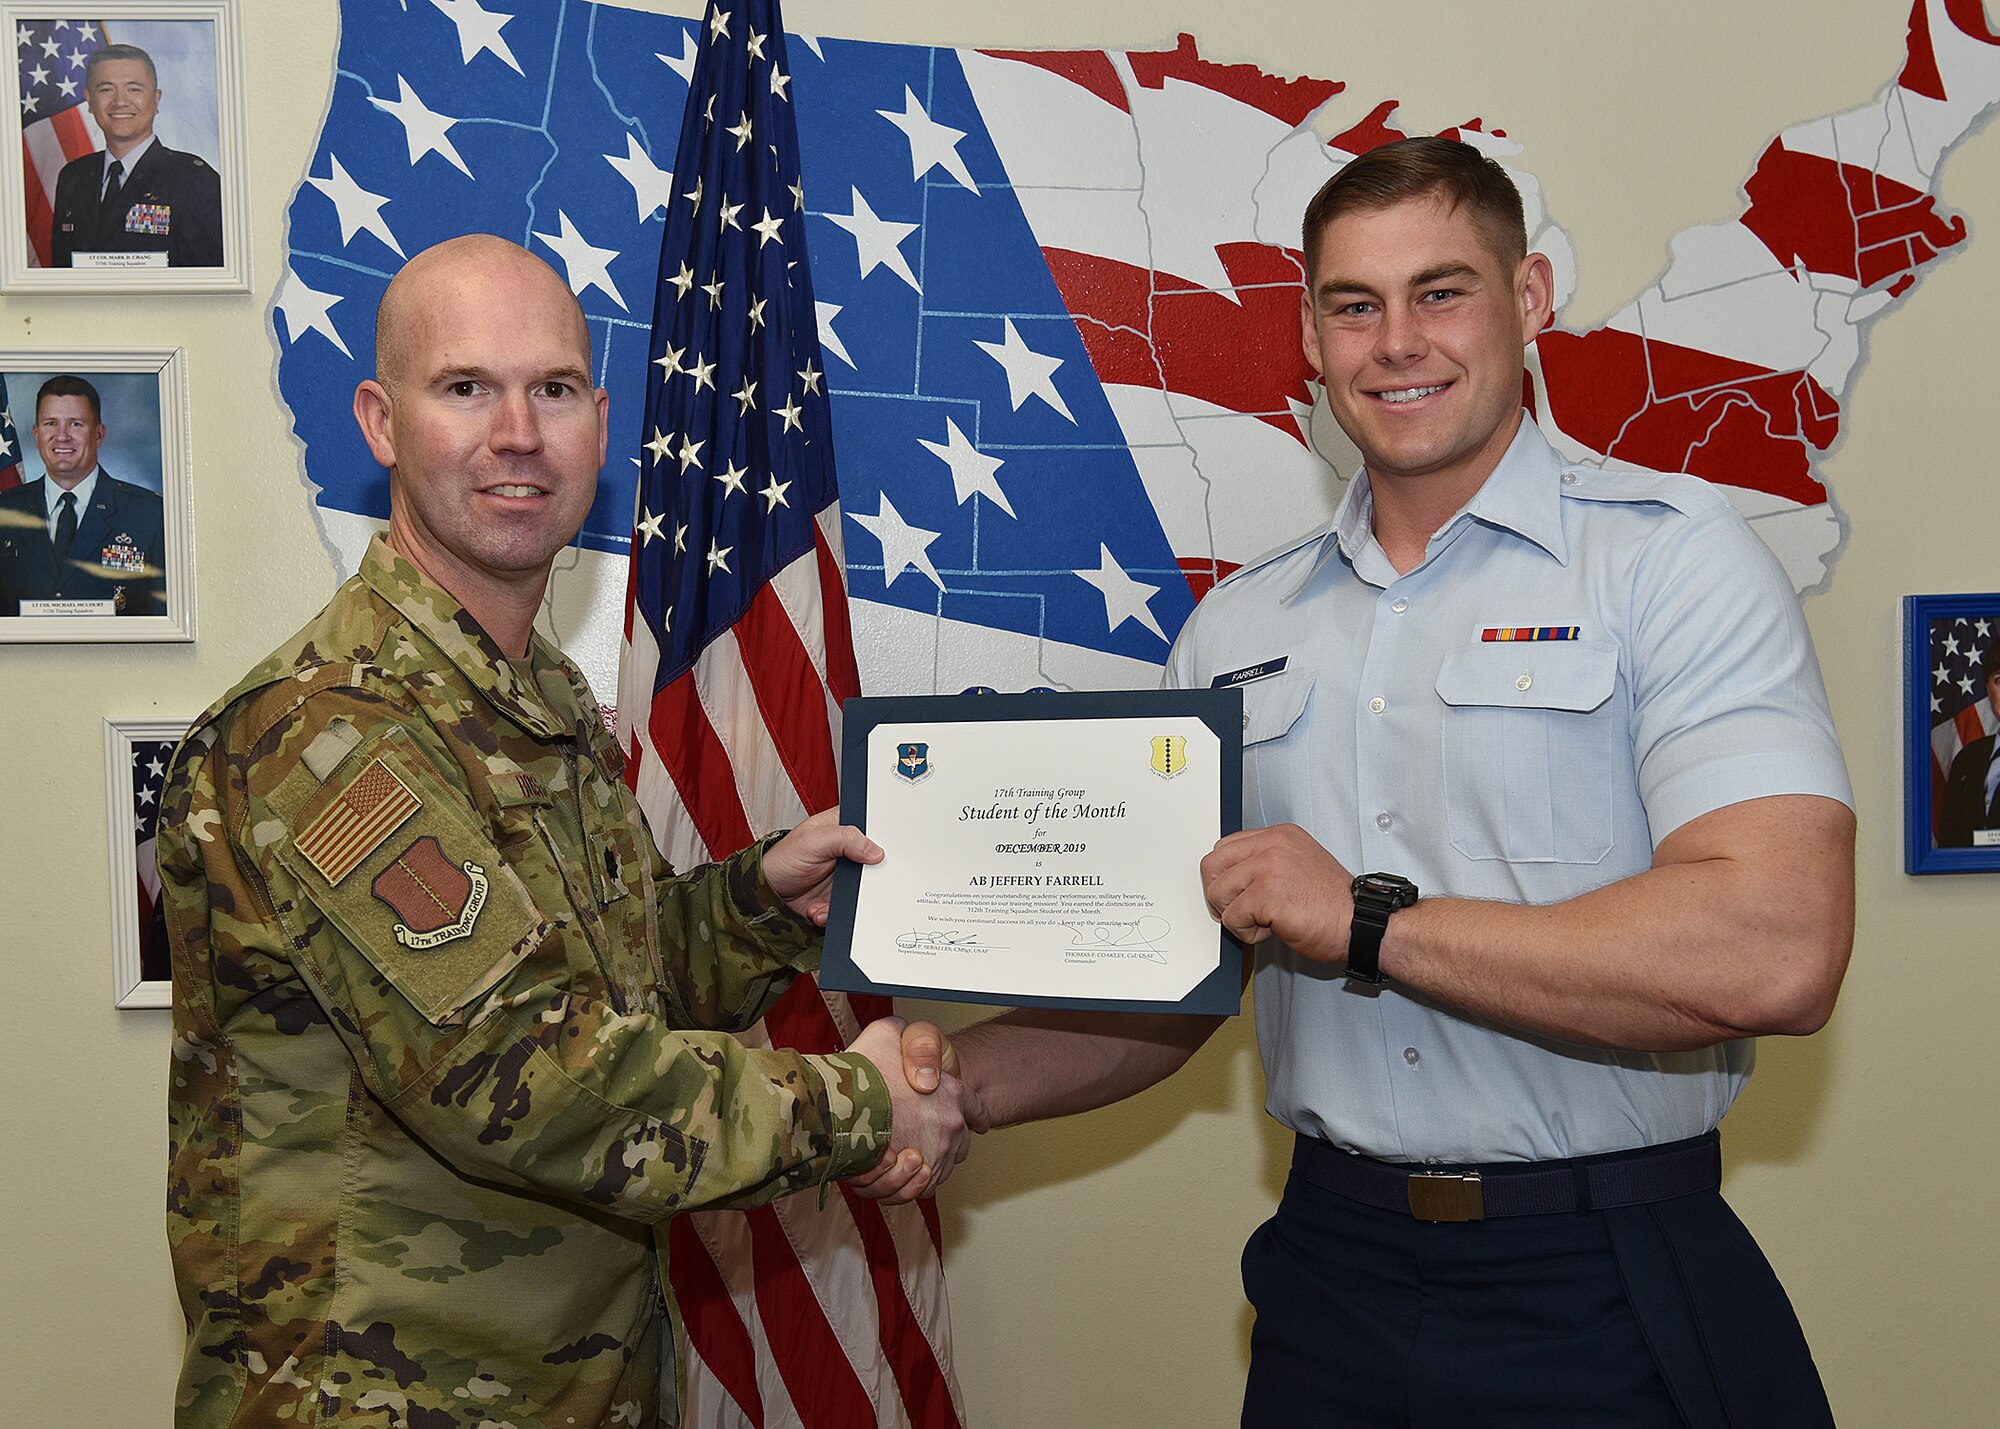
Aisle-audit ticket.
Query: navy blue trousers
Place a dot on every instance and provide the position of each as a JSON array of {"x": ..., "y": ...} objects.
[{"x": 1661, "y": 1315}]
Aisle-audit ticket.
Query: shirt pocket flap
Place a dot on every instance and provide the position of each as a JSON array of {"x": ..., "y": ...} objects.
[
  {"x": 1272, "y": 707},
  {"x": 1530, "y": 674},
  {"x": 392, "y": 857}
]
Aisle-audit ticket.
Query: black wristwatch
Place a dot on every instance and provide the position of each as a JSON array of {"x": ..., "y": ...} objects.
[{"x": 1376, "y": 896}]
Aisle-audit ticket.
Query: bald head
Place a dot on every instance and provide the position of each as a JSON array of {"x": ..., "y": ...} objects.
[{"x": 476, "y": 268}]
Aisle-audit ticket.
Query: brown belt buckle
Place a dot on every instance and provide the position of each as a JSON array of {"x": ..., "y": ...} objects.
[{"x": 1446, "y": 1196}]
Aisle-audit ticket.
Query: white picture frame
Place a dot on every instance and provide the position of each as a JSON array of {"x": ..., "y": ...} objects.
[
  {"x": 139, "y": 976},
  {"x": 150, "y": 386},
  {"x": 198, "y": 57}
]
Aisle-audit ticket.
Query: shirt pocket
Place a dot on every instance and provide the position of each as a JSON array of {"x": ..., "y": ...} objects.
[
  {"x": 1272, "y": 710},
  {"x": 1530, "y": 750}
]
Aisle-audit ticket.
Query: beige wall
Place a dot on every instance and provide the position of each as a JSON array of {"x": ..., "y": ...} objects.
[{"x": 1092, "y": 1263}]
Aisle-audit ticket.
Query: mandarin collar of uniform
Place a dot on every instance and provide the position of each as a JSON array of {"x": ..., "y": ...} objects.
[
  {"x": 1522, "y": 495},
  {"x": 464, "y": 642}
]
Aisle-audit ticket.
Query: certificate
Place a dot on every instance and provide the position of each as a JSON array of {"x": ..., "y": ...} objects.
[{"x": 1041, "y": 850}]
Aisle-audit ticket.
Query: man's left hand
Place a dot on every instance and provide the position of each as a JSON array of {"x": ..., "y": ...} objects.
[
  {"x": 800, "y": 865},
  {"x": 1279, "y": 880}
]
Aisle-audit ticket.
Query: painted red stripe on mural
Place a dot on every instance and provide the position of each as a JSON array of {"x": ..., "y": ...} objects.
[
  {"x": 1673, "y": 408},
  {"x": 1843, "y": 219},
  {"x": 1373, "y": 130},
  {"x": 1088, "y": 69},
  {"x": 1920, "y": 70},
  {"x": 1970, "y": 17},
  {"x": 1147, "y": 330},
  {"x": 1290, "y": 100}
]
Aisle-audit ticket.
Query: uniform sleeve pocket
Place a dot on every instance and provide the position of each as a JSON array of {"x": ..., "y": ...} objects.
[
  {"x": 392, "y": 857},
  {"x": 1531, "y": 749}
]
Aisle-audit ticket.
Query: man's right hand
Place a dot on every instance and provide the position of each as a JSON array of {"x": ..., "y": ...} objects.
[{"x": 930, "y": 1134}]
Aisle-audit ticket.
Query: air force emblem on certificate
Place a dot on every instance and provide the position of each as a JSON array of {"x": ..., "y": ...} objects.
[
  {"x": 1169, "y": 755},
  {"x": 913, "y": 762}
]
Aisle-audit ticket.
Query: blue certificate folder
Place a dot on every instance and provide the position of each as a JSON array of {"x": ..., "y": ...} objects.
[{"x": 1218, "y": 994}]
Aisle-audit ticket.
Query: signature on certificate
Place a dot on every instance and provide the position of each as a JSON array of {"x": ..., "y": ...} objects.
[
  {"x": 938, "y": 940},
  {"x": 1141, "y": 934}
]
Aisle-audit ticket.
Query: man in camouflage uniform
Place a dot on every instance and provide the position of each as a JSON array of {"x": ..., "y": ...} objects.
[{"x": 430, "y": 1100}]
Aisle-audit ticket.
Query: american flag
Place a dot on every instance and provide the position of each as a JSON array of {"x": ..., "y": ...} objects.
[
  {"x": 1960, "y": 711},
  {"x": 737, "y": 656},
  {"x": 10, "y": 441},
  {"x": 55, "y": 124},
  {"x": 149, "y": 771}
]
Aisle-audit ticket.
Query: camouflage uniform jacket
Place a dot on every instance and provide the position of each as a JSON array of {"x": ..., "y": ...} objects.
[{"x": 429, "y": 1095}]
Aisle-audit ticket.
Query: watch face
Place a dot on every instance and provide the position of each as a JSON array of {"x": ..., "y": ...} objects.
[{"x": 1387, "y": 889}]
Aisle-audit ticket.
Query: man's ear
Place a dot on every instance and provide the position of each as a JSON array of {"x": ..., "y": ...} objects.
[
  {"x": 1535, "y": 286},
  {"x": 372, "y": 407},
  {"x": 1309, "y": 333}
]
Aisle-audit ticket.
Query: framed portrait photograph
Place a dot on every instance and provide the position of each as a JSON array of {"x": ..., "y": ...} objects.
[
  {"x": 136, "y": 753},
  {"x": 124, "y": 168},
  {"x": 96, "y": 516},
  {"x": 1951, "y": 724}
]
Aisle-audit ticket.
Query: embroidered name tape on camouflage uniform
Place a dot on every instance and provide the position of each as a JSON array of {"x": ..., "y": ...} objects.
[{"x": 356, "y": 824}]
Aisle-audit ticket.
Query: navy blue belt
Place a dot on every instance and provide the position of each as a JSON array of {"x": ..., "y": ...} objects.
[{"x": 1514, "y": 1188}]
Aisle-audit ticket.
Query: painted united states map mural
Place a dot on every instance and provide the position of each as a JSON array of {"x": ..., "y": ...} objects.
[{"x": 1058, "y": 296}]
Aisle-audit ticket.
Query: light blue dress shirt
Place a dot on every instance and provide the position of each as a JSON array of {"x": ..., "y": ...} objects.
[{"x": 1522, "y": 771}]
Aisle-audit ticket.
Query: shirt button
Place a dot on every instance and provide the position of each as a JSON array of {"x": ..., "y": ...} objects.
[
  {"x": 1410, "y": 1055},
  {"x": 1524, "y": 682},
  {"x": 1377, "y": 705},
  {"x": 1399, "y": 605},
  {"x": 1569, "y": 478},
  {"x": 1382, "y": 820}
]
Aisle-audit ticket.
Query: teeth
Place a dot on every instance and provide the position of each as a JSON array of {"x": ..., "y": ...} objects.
[
  {"x": 1410, "y": 394},
  {"x": 515, "y": 490}
]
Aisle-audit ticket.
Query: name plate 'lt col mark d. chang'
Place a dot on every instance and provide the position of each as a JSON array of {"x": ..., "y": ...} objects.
[{"x": 1041, "y": 849}]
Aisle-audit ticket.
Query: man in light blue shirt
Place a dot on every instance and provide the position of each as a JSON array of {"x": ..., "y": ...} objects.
[{"x": 1575, "y": 721}]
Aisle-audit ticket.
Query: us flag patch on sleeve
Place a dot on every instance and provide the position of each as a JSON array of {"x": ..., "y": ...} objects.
[{"x": 354, "y": 825}]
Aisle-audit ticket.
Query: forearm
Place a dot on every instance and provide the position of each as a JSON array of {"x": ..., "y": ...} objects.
[
  {"x": 644, "y": 1121},
  {"x": 1030, "y": 1065},
  {"x": 1699, "y": 949},
  {"x": 731, "y": 945}
]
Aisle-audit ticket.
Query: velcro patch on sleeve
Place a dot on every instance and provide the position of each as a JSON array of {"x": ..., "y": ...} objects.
[
  {"x": 357, "y": 823},
  {"x": 420, "y": 897}
]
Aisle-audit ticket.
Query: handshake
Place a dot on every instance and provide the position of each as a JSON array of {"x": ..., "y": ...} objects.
[
  {"x": 929, "y": 1133},
  {"x": 933, "y": 1112}
]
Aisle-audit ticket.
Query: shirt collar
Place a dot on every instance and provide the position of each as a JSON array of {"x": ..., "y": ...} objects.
[
  {"x": 540, "y": 693},
  {"x": 84, "y": 490},
  {"x": 1523, "y": 494},
  {"x": 130, "y": 162}
]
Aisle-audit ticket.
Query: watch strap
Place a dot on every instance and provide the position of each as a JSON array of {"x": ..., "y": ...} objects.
[
  {"x": 1364, "y": 943},
  {"x": 1376, "y": 896}
]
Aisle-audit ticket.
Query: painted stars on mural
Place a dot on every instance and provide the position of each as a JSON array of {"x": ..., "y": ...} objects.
[{"x": 1047, "y": 286}]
